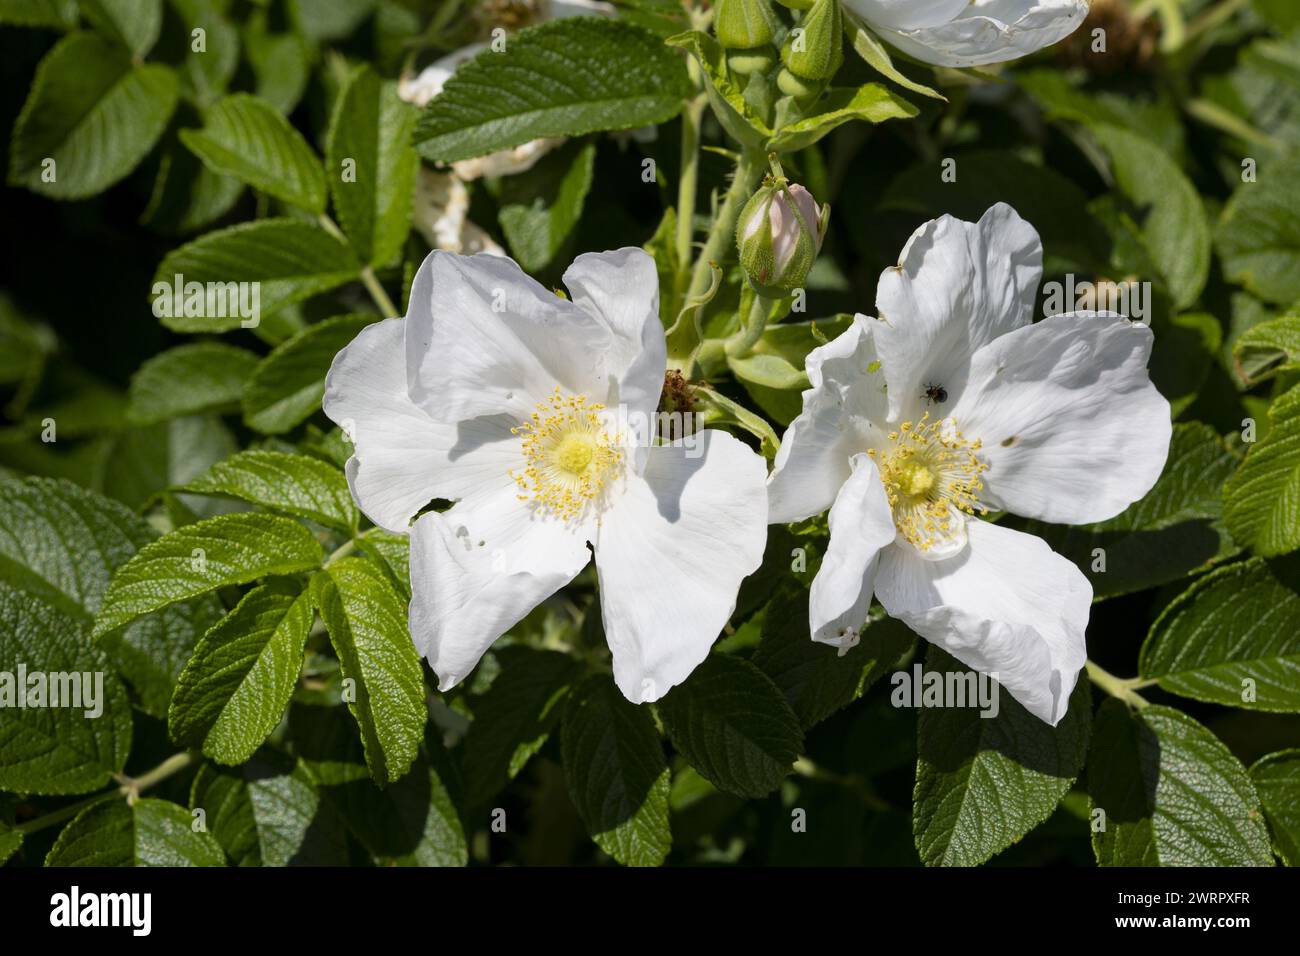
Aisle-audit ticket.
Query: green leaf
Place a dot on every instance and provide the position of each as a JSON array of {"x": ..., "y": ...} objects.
[
  {"x": 188, "y": 196},
  {"x": 47, "y": 748},
  {"x": 1232, "y": 638},
  {"x": 187, "y": 380},
  {"x": 568, "y": 77},
  {"x": 235, "y": 688},
  {"x": 1172, "y": 531},
  {"x": 1172, "y": 794},
  {"x": 289, "y": 259},
  {"x": 132, "y": 23},
  {"x": 206, "y": 73},
  {"x": 733, "y": 725},
  {"x": 725, "y": 96},
  {"x": 1258, "y": 236},
  {"x": 93, "y": 113},
  {"x": 366, "y": 619},
  {"x": 201, "y": 557},
  {"x": 1175, "y": 230},
  {"x": 539, "y": 211},
  {"x": 150, "y": 833},
  {"x": 718, "y": 409},
  {"x": 371, "y": 132},
  {"x": 270, "y": 812},
  {"x": 1277, "y": 781},
  {"x": 617, "y": 774},
  {"x": 1261, "y": 502},
  {"x": 982, "y": 783},
  {"x": 1268, "y": 349},
  {"x": 55, "y": 14},
  {"x": 413, "y": 822},
  {"x": 514, "y": 718},
  {"x": 814, "y": 678},
  {"x": 61, "y": 544},
  {"x": 871, "y": 103},
  {"x": 287, "y": 386},
  {"x": 868, "y": 46},
  {"x": 296, "y": 485},
  {"x": 142, "y": 462},
  {"x": 245, "y": 137}
]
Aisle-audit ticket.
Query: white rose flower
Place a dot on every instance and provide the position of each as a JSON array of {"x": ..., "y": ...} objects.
[
  {"x": 951, "y": 404},
  {"x": 531, "y": 411},
  {"x": 970, "y": 32}
]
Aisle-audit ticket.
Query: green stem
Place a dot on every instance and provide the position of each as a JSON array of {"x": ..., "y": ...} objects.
[
  {"x": 1117, "y": 687},
  {"x": 722, "y": 235},
  {"x": 687, "y": 185},
  {"x": 743, "y": 342},
  {"x": 128, "y": 787},
  {"x": 377, "y": 293}
]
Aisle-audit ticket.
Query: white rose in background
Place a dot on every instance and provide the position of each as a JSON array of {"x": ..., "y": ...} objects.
[
  {"x": 441, "y": 207},
  {"x": 500, "y": 395},
  {"x": 969, "y": 32},
  {"x": 952, "y": 404}
]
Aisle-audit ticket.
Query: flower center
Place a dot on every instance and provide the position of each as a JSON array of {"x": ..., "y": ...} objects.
[
  {"x": 932, "y": 478},
  {"x": 568, "y": 454}
]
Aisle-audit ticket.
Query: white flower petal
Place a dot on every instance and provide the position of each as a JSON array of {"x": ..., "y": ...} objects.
[
  {"x": 861, "y": 525},
  {"x": 483, "y": 338},
  {"x": 846, "y": 397},
  {"x": 402, "y": 458},
  {"x": 1008, "y": 605},
  {"x": 907, "y": 14},
  {"x": 1072, "y": 429},
  {"x": 477, "y": 569},
  {"x": 991, "y": 31},
  {"x": 958, "y": 285},
  {"x": 671, "y": 553},
  {"x": 621, "y": 289}
]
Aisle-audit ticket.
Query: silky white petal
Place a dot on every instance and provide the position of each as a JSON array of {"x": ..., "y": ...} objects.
[
  {"x": 958, "y": 285},
  {"x": 671, "y": 553},
  {"x": 990, "y": 31},
  {"x": 621, "y": 289},
  {"x": 906, "y": 14},
  {"x": 402, "y": 458},
  {"x": 1008, "y": 606},
  {"x": 846, "y": 398},
  {"x": 1072, "y": 429},
  {"x": 483, "y": 338},
  {"x": 861, "y": 525},
  {"x": 477, "y": 569}
]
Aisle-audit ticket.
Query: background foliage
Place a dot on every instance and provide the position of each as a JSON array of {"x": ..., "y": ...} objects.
[{"x": 224, "y": 680}]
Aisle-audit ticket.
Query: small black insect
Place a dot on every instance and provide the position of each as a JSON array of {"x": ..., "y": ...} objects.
[{"x": 936, "y": 393}]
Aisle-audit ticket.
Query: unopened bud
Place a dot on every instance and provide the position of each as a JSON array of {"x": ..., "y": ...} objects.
[
  {"x": 744, "y": 24},
  {"x": 815, "y": 50},
  {"x": 779, "y": 235}
]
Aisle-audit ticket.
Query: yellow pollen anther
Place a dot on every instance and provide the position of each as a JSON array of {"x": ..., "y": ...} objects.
[
  {"x": 569, "y": 454},
  {"x": 931, "y": 474}
]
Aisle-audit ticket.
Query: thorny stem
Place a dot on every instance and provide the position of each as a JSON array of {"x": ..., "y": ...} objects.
[
  {"x": 128, "y": 787},
  {"x": 722, "y": 234},
  {"x": 688, "y": 183},
  {"x": 1125, "y": 690}
]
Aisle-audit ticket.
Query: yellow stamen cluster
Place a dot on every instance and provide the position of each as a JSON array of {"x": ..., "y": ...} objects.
[
  {"x": 930, "y": 471},
  {"x": 569, "y": 454}
]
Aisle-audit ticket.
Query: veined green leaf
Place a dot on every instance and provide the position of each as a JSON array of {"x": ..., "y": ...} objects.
[
  {"x": 567, "y": 77},
  {"x": 149, "y": 833},
  {"x": 366, "y": 619},
  {"x": 371, "y": 166},
  {"x": 245, "y": 137},
  {"x": 235, "y": 688},
  {"x": 537, "y": 216},
  {"x": 1171, "y": 793},
  {"x": 871, "y": 103},
  {"x": 132, "y": 23},
  {"x": 199, "y": 558},
  {"x": 1261, "y": 502},
  {"x": 296, "y": 485},
  {"x": 617, "y": 774},
  {"x": 187, "y": 380},
  {"x": 1268, "y": 349},
  {"x": 1258, "y": 236},
  {"x": 734, "y": 726},
  {"x": 288, "y": 260},
  {"x": 1277, "y": 780},
  {"x": 90, "y": 117}
]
